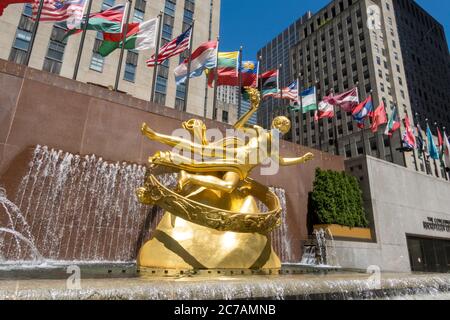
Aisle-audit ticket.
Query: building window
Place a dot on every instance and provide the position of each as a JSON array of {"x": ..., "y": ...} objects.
[
  {"x": 225, "y": 116},
  {"x": 161, "y": 85},
  {"x": 55, "y": 53},
  {"x": 160, "y": 98},
  {"x": 107, "y": 4},
  {"x": 181, "y": 91},
  {"x": 167, "y": 32},
  {"x": 97, "y": 60},
  {"x": 179, "y": 104},
  {"x": 23, "y": 36},
  {"x": 130, "y": 67},
  {"x": 138, "y": 15},
  {"x": 170, "y": 8}
]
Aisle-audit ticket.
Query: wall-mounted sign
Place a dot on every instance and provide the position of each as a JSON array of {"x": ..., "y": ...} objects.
[{"x": 435, "y": 224}]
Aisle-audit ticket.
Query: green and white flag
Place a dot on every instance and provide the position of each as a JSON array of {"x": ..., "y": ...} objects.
[
  {"x": 140, "y": 36},
  {"x": 309, "y": 100}
]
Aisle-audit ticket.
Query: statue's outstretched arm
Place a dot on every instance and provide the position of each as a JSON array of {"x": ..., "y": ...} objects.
[
  {"x": 254, "y": 105},
  {"x": 293, "y": 161},
  {"x": 170, "y": 140}
]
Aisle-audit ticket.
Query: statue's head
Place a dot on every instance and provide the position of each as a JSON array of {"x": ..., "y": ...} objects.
[
  {"x": 198, "y": 130},
  {"x": 282, "y": 124}
]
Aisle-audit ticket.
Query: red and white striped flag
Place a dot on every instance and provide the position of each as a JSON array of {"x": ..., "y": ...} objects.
[
  {"x": 290, "y": 93},
  {"x": 348, "y": 100},
  {"x": 173, "y": 48},
  {"x": 61, "y": 10}
]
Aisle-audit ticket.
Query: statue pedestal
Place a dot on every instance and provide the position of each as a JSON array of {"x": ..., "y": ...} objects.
[{"x": 182, "y": 245}]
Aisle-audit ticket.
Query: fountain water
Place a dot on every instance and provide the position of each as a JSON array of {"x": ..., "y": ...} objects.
[
  {"x": 19, "y": 236},
  {"x": 319, "y": 251},
  {"x": 280, "y": 237},
  {"x": 75, "y": 208}
]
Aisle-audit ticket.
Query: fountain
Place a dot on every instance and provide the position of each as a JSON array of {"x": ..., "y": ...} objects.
[{"x": 81, "y": 212}]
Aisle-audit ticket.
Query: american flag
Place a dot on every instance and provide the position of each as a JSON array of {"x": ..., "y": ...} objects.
[
  {"x": 290, "y": 92},
  {"x": 174, "y": 47},
  {"x": 61, "y": 10}
]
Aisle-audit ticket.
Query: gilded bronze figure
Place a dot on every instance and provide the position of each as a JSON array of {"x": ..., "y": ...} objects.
[{"x": 212, "y": 219}]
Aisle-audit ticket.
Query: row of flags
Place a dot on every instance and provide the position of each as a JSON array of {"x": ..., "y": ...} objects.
[
  {"x": 226, "y": 68},
  {"x": 70, "y": 11}
]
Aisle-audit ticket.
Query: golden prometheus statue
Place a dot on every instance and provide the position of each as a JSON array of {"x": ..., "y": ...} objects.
[{"x": 213, "y": 219}]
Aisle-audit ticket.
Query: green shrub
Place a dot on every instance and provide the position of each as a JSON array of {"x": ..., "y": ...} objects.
[{"x": 337, "y": 199}]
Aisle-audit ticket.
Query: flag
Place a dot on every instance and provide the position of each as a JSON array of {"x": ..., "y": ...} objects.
[
  {"x": 432, "y": 149},
  {"x": 362, "y": 111},
  {"x": 110, "y": 21},
  {"x": 446, "y": 151},
  {"x": 5, "y": 3},
  {"x": 379, "y": 117},
  {"x": 440, "y": 144},
  {"x": 204, "y": 57},
  {"x": 325, "y": 109},
  {"x": 290, "y": 92},
  {"x": 269, "y": 83},
  {"x": 309, "y": 100},
  {"x": 393, "y": 124},
  {"x": 172, "y": 48},
  {"x": 409, "y": 139},
  {"x": 420, "y": 142},
  {"x": 227, "y": 70},
  {"x": 347, "y": 100},
  {"x": 140, "y": 36},
  {"x": 70, "y": 11},
  {"x": 249, "y": 73}
]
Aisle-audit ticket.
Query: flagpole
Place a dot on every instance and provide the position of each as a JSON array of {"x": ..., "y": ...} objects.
[
  {"x": 205, "y": 109},
  {"x": 300, "y": 89},
  {"x": 316, "y": 82},
  {"x": 434, "y": 160},
  {"x": 400, "y": 136},
  {"x": 414, "y": 147},
  {"x": 83, "y": 37},
  {"x": 389, "y": 137},
  {"x": 186, "y": 93},
  {"x": 216, "y": 78},
  {"x": 122, "y": 50},
  {"x": 423, "y": 153},
  {"x": 363, "y": 134},
  {"x": 33, "y": 33},
  {"x": 260, "y": 86},
  {"x": 445, "y": 142},
  {"x": 155, "y": 68},
  {"x": 280, "y": 73},
  {"x": 336, "y": 142},
  {"x": 240, "y": 81},
  {"x": 439, "y": 151}
]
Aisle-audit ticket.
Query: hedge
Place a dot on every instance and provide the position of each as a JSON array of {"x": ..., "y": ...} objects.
[{"x": 337, "y": 199}]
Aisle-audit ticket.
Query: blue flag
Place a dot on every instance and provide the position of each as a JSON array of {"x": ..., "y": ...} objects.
[{"x": 432, "y": 149}]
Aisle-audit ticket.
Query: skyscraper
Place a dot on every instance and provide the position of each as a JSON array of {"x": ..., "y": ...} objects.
[
  {"x": 53, "y": 54},
  {"x": 365, "y": 44}
]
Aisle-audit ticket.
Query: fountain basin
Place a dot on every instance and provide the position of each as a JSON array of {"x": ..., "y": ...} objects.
[{"x": 340, "y": 285}]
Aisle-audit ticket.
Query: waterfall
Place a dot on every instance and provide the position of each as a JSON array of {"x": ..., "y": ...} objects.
[
  {"x": 280, "y": 237},
  {"x": 73, "y": 207}
]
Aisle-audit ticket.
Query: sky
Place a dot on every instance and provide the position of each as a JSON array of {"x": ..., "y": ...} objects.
[{"x": 253, "y": 23}]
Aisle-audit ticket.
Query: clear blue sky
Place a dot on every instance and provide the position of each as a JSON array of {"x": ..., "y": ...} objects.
[{"x": 252, "y": 23}]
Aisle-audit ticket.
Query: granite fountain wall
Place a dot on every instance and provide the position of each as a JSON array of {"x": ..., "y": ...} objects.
[{"x": 38, "y": 108}]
